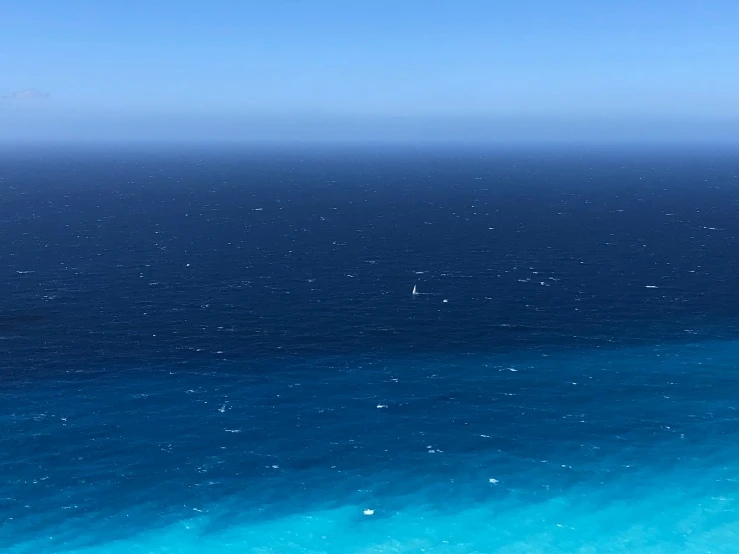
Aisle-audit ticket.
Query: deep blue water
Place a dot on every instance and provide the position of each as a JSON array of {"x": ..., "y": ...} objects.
[{"x": 217, "y": 350}]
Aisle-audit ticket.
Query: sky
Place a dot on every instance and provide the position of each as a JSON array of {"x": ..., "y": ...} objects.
[{"x": 361, "y": 69}]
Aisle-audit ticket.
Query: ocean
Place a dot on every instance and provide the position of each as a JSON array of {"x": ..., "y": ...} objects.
[{"x": 216, "y": 349}]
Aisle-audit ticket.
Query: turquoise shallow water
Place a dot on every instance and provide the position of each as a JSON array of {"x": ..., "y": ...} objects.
[{"x": 633, "y": 449}]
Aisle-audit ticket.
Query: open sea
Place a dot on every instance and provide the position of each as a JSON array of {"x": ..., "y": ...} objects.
[{"x": 211, "y": 350}]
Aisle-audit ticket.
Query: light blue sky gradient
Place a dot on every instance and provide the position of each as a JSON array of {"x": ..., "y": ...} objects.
[{"x": 313, "y": 69}]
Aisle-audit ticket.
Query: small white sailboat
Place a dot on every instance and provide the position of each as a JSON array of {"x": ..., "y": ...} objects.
[{"x": 415, "y": 291}]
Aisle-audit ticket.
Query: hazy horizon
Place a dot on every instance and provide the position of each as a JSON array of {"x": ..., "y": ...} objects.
[{"x": 328, "y": 71}]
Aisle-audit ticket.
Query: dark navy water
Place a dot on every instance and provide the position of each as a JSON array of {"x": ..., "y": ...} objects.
[{"x": 217, "y": 350}]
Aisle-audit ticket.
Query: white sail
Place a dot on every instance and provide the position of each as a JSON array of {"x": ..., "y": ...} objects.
[{"x": 415, "y": 291}]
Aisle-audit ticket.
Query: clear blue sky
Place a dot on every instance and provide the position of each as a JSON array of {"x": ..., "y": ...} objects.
[{"x": 319, "y": 68}]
